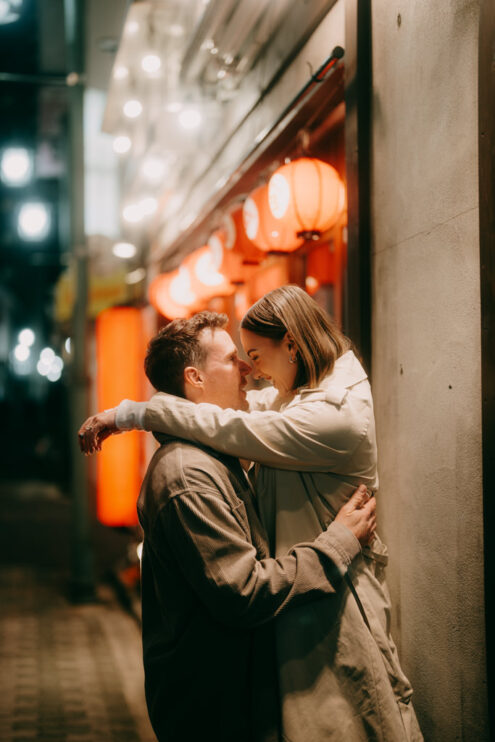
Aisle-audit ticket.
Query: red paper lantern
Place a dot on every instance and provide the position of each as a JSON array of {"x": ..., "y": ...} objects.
[
  {"x": 308, "y": 195},
  {"x": 207, "y": 280},
  {"x": 268, "y": 233},
  {"x": 230, "y": 261},
  {"x": 251, "y": 255},
  {"x": 171, "y": 294},
  {"x": 120, "y": 346}
]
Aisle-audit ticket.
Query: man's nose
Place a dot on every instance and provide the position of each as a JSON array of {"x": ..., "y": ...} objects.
[{"x": 244, "y": 368}]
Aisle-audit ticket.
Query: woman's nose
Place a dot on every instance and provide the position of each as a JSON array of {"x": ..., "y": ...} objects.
[{"x": 244, "y": 368}]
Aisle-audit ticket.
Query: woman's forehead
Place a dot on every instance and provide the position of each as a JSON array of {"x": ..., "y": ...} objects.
[{"x": 252, "y": 342}]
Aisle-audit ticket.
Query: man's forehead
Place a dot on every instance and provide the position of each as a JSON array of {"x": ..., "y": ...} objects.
[{"x": 216, "y": 340}]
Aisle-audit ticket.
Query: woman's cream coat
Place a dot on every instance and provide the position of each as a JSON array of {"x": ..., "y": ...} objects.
[{"x": 340, "y": 679}]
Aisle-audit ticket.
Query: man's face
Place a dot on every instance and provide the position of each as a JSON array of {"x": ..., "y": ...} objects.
[{"x": 223, "y": 372}]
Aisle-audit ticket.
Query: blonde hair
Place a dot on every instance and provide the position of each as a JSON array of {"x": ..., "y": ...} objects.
[{"x": 318, "y": 340}]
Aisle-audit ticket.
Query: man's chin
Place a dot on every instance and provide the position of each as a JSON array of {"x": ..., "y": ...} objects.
[{"x": 243, "y": 404}]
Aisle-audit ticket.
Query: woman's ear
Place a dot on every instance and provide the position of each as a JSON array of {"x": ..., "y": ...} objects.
[{"x": 289, "y": 341}]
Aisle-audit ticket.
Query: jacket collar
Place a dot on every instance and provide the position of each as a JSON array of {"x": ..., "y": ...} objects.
[{"x": 347, "y": 372}]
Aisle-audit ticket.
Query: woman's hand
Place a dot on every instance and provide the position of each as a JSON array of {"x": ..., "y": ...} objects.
[
  {"x": 95, "y": 429},
  {"x": 358, "y": 515}
]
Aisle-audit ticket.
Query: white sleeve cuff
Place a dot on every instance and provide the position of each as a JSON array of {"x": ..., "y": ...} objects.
[{"x": 130, "y": 415}]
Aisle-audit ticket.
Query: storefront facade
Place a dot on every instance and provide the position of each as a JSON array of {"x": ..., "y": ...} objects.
[{"x": 396, "y": 115}]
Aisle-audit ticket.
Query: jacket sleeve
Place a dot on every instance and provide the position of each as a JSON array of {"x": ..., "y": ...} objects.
[
  {"x": 313, "y": 435},
  {"x": 218, "y": 560}
]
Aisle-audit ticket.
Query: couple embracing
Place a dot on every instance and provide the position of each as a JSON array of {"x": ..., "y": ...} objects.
[{"x": 265, "y": 610}]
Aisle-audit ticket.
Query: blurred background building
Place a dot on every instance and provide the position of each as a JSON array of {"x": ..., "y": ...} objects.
[{"x": 162, "y": 157}]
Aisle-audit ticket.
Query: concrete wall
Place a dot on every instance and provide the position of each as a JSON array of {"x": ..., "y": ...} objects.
[{"x": 426, "y": 351}]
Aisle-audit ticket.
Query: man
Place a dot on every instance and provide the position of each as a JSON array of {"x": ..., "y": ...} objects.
[{"x": 207, "y": 581}]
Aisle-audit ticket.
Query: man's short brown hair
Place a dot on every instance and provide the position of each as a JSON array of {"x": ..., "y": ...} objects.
[{"x": 177, "y": 346}]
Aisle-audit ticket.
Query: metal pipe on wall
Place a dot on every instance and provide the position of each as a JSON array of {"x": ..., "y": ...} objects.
[{"x": 82, "y": 578}]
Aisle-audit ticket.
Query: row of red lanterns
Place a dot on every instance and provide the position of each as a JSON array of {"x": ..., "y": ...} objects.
[{"x": 302, "y": 200}]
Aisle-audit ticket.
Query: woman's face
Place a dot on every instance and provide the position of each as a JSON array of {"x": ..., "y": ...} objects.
[{"x": 272, "y": 359}]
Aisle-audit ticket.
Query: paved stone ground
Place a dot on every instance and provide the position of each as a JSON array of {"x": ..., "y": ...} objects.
[{"x": 68, "y": 673}]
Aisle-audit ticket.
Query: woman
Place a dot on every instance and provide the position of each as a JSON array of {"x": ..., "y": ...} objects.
[{"x": 312, "y": 437}]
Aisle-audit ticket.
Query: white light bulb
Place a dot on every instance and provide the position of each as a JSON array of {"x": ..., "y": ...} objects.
[
  {"x": 57, "y": 364},
  {"x": 47, "y": 355},
  {"x": 132, "y": 28},
  {"x": 16, "y": 166},
  {"x": 42, "y": 368},
  {"x": 121, "y": 144},
  {"x": 153, "y": 169},
  {"x": 135, "y": 212},
  {"x": 7, "y": 14},
  {"x": 132, "y": 213},
  {"x": 151, "y": 63},
  {"x": 53, "y": 375},
  {"x": 124, "y": 250},
  {"x": 133, "y": 109},
  {"x": 21, "y": 353},
  {"x": 135, "y": 276},
  {"x": 26, "y": 337},
  {"x": 190, "y": 118},
  {"x": 34, "y": 221}
]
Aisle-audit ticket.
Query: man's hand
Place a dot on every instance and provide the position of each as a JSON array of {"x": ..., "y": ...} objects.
[
  {"x": 95, "y": 429},
  {"x": 358, "y": 515}
]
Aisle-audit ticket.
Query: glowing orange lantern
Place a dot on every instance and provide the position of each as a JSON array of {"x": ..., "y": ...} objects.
[
  {"x": 251, "y": 255},
  {"x": 221, "y": 243},
  {"x": 268, "y": 233},
  {"x": 207, "y": 281},
  {"x": 120, "y": 346},
  {"x": 307, "y": 195},
  {"x": 172, "y": 295}
]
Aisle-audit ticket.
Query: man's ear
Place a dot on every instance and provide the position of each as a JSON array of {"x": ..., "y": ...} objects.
[{"x": 193, "y": 376}]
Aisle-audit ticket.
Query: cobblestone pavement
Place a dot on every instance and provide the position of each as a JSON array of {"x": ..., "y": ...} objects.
[{"x": 67, "y": 673}]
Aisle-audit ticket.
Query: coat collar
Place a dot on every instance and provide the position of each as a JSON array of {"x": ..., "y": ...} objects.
[{"x": 347, "y": 372}]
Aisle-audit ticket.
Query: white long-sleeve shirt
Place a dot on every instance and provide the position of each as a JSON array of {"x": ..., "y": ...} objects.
[{"x": 328, "y": 428}]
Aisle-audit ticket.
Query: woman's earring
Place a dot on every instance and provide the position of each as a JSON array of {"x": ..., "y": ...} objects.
[{"x": 292, "y": 360}]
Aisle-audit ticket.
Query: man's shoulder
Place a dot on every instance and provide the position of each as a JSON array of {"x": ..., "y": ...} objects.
[{"x": 179, "y": 467}]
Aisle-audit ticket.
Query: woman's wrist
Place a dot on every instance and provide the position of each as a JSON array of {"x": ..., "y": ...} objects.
[{"x": 129, "y": 415}]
